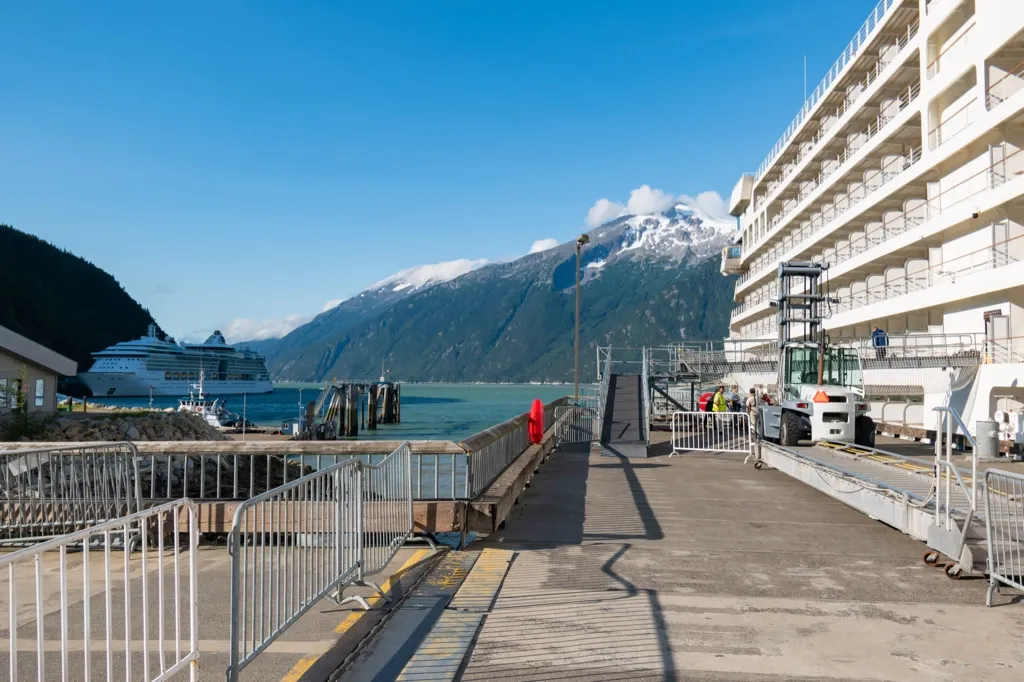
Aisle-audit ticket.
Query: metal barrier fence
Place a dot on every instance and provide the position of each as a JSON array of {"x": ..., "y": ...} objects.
[
  {"x": 492, "y": 450},
  {"x": 137, "y": 607},
  {"x": 577, "y": 424},
  {"x": 54, "y": 491},
  {"x": 1004, "y": 525},
  {"x": 711, "y": 431},
  {"x": 294, "y": 545},
  {"x": 227, "y": 476}
]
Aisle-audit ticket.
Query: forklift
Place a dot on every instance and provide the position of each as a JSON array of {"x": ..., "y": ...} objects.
[{"x": 821, "y": 387}]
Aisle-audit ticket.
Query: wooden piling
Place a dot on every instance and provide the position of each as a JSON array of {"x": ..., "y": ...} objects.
[{"x": 373, "y": 407}]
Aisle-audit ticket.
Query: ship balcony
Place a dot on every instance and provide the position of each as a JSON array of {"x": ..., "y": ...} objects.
[
  {"x": 1005, "y": 72},
  {"x": 732, "y": 260}
]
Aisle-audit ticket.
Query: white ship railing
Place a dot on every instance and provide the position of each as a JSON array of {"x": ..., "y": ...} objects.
[
  {"x": 760, "y": 265},
  {"x": 988, "y": 178},
  {"x": 1007, "y": 85},
  {"x": 860, "y": 39},
  {"x": 816, "y": 140}
]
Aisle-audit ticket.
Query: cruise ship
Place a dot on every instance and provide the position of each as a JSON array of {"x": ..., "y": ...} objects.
[
  {"x": 904, "y": 172},
  {"x": 150, "y": 364}
]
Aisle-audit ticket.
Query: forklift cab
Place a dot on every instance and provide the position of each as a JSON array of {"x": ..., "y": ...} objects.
[
  {"x": 841, "y": 368},
  {"x": 833, "y": 409}
]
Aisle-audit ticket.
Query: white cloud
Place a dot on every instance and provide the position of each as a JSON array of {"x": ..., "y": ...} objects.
[
  {"x": 709, "y": 202},
  {"x": 430, "y": 274},
  {"x": 543, "y": 245},
  {"x": 248, "y": 329},
  {"x": 333, "y": 303},
  {"x": 604, "y": 210},
  {"x": 646, "y": 200}
]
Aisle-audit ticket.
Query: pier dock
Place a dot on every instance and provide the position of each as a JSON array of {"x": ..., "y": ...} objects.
[{"x": 565, "y": 560}]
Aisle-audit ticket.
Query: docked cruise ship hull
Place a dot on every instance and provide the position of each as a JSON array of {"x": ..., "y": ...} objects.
[{"x": 130, "y": 385}]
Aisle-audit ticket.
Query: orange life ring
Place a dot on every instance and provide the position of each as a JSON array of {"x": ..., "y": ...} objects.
[{"x": 536, "y": 422}]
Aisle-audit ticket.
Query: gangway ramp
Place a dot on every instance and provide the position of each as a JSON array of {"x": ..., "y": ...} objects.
[
  {"x": 623, "y": 429},
  {"x": 902, "y": 492}
]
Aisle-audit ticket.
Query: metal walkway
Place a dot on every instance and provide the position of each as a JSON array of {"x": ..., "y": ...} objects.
[{"x": 901, "y": 492}]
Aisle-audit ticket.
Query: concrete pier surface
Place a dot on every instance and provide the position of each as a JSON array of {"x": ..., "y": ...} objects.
[
  {"x": 320, "y": 637},
  {"x": 697, "y": 567}
]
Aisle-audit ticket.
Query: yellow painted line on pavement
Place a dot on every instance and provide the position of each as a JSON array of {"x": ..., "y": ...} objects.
[{"x": 304, "y": 664}]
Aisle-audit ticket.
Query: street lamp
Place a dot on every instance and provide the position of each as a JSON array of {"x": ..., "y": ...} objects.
[{"x": 580, "y": 242}]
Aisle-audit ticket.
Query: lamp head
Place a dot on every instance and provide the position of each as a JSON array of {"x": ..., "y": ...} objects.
[{"x": 582, "y": 239}]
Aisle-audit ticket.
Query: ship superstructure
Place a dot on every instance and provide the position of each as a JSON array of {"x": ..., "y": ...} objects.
[
  {"x": 904, "y": 171},
  {"x": 135, "y": 368}
]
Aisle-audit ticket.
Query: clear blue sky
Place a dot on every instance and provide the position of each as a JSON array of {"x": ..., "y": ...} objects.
[{"x": 253, "y": 160}]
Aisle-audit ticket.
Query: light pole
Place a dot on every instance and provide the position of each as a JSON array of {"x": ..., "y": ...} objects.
[{"x": 580, "y": 241}]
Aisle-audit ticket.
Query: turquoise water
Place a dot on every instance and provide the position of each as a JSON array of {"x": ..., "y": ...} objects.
[{"x": 429, "y": 411}]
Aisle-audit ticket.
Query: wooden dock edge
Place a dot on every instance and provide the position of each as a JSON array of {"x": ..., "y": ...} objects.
[{"x": 488, "y": 511}]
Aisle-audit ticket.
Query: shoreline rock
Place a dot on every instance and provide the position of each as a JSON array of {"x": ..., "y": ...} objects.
[{"x": 176, "y": 426}]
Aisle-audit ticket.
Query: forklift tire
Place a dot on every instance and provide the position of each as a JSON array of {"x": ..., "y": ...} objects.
[
  {"x": 789, "y": 429},
  {"x": 864, "y": 432}
]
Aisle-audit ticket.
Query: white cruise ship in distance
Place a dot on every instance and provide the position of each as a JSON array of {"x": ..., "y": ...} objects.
[
  {"x": 904, "y": 171},
  {"x": 133, "y": 368}
]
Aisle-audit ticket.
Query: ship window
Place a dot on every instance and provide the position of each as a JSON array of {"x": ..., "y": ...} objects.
[
  {"x": 40, "y": 392},
  {"x": 3, "y": 392}
]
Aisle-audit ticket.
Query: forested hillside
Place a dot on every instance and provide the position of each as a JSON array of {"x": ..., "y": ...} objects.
[{"x": 62, "y": 301}]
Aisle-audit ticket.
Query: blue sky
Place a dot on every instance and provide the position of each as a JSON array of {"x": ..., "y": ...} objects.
[{"x": 249, "y": 161}]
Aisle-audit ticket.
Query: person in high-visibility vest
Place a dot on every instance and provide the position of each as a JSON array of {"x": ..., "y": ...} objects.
[{"x": 719, "y": 403}]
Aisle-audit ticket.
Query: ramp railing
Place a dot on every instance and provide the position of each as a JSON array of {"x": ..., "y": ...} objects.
[
  {"x": 577, "y": 423},
  {"x": 131, "y": 615},
  {"x": 1004, "y": 525},
  {"x": 711, "y": 432},
  {"x": 645, "y": 386},
  {"x": 602, "y": 403},
  {"x": 59, "y": 490},
  {"x": 295, "y": 544},
  {"x": 948, "y": 479}
]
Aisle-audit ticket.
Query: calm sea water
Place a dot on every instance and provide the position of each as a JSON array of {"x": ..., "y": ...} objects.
[{"x": 429, "y": 411}]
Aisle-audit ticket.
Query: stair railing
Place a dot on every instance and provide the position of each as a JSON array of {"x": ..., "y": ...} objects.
[
  {"x": 602, "y": 402},
  {"x": 947, "y": 419},
  {"x": 645, "y": 386}
]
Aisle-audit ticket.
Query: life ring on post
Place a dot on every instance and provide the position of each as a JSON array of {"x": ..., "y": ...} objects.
[{"x": 536, "y": 422}]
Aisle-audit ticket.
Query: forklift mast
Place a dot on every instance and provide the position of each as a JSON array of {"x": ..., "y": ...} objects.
[{"x": 800, "y": 315}]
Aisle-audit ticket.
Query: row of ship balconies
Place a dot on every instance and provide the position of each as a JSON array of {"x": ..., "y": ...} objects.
[
  {"x": 852, "y": 52},
  {"x": 810, "y": 147},
  {"x": 873, "y": 179},
  {"x": 914, "y": 275},
  {"x": 916, "y": 211},
  {"x": 952, "y": 123},
  {"x": 855, "y": 142}
]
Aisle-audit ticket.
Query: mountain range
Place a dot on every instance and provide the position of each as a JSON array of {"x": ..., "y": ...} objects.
[{"x": 646, "y": 279}]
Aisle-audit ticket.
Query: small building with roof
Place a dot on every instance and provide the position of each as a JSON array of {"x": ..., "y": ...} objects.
[{"x": 30, "y": 368}]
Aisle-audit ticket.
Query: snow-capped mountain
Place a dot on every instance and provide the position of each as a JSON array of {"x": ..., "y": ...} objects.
[{"x": 473, "y": 320}]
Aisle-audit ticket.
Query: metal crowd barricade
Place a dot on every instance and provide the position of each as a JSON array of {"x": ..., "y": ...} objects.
[
  {"x": 711, "y": 431},
  {"x": 387, "y": 510},
  {"x": 1004, "y": 525},
  {"x": 59, "y": 490},
  {"x": 119, "y": 616},
  {"x": 229, "y": 476},
  {"x": 576, "y": 423},
  {"x": 312, "y": 537}
]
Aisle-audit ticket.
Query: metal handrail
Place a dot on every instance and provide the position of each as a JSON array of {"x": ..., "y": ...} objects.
[
  {"x": 860, "y": 40},
  {"x": 934, "y": 66},
  {"x": 777, "y": 185},
  {"x": 991, "y": 99},
  {"x": 946, "y": 469},
  {"x": 767, "y": 261},
  {"x": 171, "y": 615},
  {"x": 766, "y": 291}
]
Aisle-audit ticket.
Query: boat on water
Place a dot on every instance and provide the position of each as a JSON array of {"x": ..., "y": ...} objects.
[
  {"x": 154, "y": 366},
  {"x": 214, "y": 410}
]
